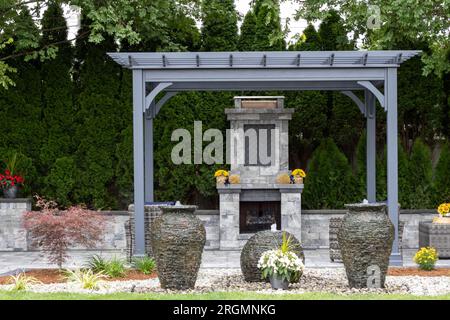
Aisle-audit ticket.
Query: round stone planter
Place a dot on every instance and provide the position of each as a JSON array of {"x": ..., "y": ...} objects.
[
  {"x": 11, "y": 192},
  {"x": 365, "y": 239},
  {"x": 257, "y": 245},
  {"x": 177, "y": 239}
]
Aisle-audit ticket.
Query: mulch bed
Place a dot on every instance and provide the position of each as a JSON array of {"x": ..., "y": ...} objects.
[
  {"x": 48, "y": 276},
  {"x": 413, "y": 271}
]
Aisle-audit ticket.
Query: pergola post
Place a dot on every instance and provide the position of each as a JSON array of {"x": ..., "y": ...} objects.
[
  {"x": 138, "y": 154},
  {"x": 371, "y": 149},
  {"x": 148, "y": 151},
  {"x": 390, "y": 94}
]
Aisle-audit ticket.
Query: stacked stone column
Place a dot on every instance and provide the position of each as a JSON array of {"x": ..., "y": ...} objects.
[
  {"x": 229, "y": 218},
  {"x": 13, "y": 236},
  {"x": 291, "y": 209}
]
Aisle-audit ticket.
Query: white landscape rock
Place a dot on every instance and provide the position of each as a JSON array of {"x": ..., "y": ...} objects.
[{"x": 332, "y": 280}]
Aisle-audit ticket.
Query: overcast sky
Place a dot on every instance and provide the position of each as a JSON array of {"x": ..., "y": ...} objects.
[{"x": 242, "y": 6}]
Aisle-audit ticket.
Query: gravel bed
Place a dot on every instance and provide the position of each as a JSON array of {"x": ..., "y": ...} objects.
[{"x": 314, "y": 280}]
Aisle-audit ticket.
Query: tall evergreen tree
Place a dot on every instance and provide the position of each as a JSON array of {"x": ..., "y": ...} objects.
[
  {"x": 247, "y": 37},
  {"x": 309, "y": 40},
  {"x": 269, "y": 35},
  {"x": 176, "y": 113},
  {"x": 306, "y": 130},
  {"x": 100, "y": 122},
  {"x": 344, "y": 117},
  {"x": 56, "y": 88},
  {"x": 219, "y": 25}
]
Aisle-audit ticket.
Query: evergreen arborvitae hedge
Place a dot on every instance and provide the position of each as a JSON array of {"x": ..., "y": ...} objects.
[
  {"x": 70, "y": 118},
  {"x": 442, "y": 176},
  {"x": 330, "y": 182},
  {"x": 61, "y": 180},
  {"x": 20, "y": 110},
  {"x": 419, "y": 178}
]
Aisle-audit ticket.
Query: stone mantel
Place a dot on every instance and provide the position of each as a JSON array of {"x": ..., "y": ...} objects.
[
  {"x": 284, "y": 188},
  {"x": 259, "y": 114}
]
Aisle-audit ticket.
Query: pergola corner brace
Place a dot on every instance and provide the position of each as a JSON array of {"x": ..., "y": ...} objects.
[
  {"x": 163, "y": 100},
  {"x": 356, "y": 100},
  {"x": 369, "y": 86},
  {"x": 152, "y": 95}
]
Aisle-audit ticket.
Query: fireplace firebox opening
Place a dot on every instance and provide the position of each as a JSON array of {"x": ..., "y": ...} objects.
[{"x": 259, "y": 216}]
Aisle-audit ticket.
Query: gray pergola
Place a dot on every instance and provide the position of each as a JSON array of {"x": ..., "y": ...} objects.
[{"x": 344, "y": 71}]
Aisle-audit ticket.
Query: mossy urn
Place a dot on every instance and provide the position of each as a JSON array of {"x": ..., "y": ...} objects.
[
  {"x": 365, "y": 239},
  {"x": 178, "y": 238}
]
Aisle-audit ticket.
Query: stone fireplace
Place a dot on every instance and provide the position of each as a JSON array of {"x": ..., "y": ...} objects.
[{"x": 258, "y": 153}]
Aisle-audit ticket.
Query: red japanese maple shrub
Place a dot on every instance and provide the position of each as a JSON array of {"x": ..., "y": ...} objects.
[{"x": 56, "y": 230}]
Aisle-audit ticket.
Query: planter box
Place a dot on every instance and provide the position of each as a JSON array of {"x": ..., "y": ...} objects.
[{"x": 436, "y": 236}]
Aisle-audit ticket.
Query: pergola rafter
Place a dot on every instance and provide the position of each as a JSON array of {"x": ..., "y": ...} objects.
[{"x": 155, "y": 73}]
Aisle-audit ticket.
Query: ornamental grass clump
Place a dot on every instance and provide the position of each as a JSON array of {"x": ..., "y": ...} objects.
[
  {"x": 146, "y": 265},
  {"x": 85, "y": 278},
  {"x": 55, "y": 230},
  {"x": 426, "y": 258},
  {"x": 113, "y": 268},
  {"x": 22, "y": 282}
]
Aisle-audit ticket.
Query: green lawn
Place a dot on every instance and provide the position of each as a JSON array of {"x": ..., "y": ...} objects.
[{"x": 7, "y": 295}]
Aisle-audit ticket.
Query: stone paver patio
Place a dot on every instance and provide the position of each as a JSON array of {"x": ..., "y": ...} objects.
[{"x": 10, "y": 261}]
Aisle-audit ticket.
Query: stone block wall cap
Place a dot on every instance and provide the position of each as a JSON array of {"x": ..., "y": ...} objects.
[
  {"x": 374, "y": 206},
  {"x": 231, "y": 188},
  {"x": 16, "y": 200},
  {"x": 179, "y": 208},
  {"x": 289, "y": 186}
]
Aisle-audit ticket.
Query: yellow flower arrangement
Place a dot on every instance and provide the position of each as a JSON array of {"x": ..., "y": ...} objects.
[
  {"x": 426, "y": 258},
  {"x": 444, "y": 209},
  {"x": 299, "y": 172},
  {"x": 221, "y": 173}
]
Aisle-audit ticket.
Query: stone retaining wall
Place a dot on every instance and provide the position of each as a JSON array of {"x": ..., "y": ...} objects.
[
  {"x": 314, "y": 226},
  {"x": 13, "y": 237}
]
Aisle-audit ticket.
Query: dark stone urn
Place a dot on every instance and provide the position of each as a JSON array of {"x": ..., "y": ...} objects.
[
  {"x": 178, "y": 238},
  {"x": 365, "y": 239}
]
